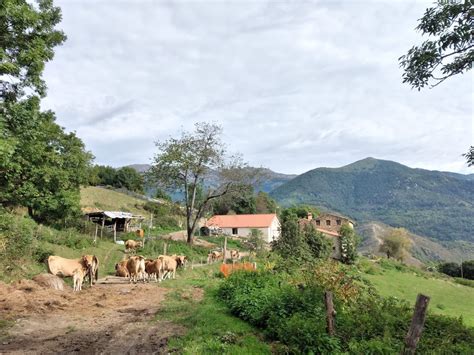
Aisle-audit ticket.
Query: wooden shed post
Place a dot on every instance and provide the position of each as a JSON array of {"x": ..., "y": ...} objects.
[
  {"x": 416, "y": 326},
  {"x": 115, "y": 231},
  {"x": 95, "y": 235},
  {"x": 102, "y": 227}
]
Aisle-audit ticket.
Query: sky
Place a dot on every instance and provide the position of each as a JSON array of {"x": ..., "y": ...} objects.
[{"x": 296, "y": 85}]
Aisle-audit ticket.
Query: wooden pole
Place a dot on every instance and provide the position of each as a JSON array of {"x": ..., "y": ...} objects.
[
  {"x": 95, "y": 235},
  {"x": 330, "y": 313},
  {"x": 416, "y": 326},
  {"x": 102, "y": 227},
  {"x": 164, "y": 248},
  {"x": 115, "y": 231},
  {"x": 225, "y": 249}
]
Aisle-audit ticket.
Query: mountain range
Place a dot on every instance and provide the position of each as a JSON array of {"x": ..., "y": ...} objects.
[{"x": 436, "y": 207}]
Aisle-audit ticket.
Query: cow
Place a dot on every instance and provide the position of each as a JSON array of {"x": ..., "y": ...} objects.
[
  {"x": 67, "y": 267},
  {"x": 234, "y": 254},
  {"x": 168, "y": 266},
  {"x": 136, "y": 268},
  {"x": 132, "y": 245},
  {"x": 153, "y": 269},
  {"x": 214, "y": 256},
  {"x": 181, "y": 260},
  {"x": 78, "y": 278},
  {"x": 93, "y": 274},
  {"x": 121, "y": 269}
]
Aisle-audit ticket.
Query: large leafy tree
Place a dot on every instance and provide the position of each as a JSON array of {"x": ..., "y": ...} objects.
[
  {"x": 448, "y": 51},
  {"x": 184, "y": 163},
  {"x": 41, "y": 165}
]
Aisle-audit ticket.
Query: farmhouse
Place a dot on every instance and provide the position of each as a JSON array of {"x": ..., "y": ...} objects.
[
  {"x": 241, "y": 225},
  {"x": 330, "y": 225}
]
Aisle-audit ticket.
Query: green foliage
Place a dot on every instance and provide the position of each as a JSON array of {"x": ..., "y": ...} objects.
[
  {"x": 161, "y": 194},
  {"x": 470, "y": 156},
  {"x": 264, "y": 203},
  {"x": 154, "y": 248},
  {"x": 240, "y": 201},
  {"x": 255, "y": 242},
  {"x": 300, "y": 211},
  {"x": 348, "y": 244},
  {"x": 165, "y": 215},
  {"x": 125, "y": 177},
  {"x": 365, "y": 322},
  {"x": 450, "y": 52},
  {"x": 428, "y": 203},
  {"x": 468, "y": 269},
  {"x": 300, "y": 243},
  {"x": 396, "y": 244},
  {"x": 450, "y": 268},
  {"x": 28, "y": 39}
]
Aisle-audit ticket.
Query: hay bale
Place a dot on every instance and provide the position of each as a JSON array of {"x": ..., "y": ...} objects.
[{"x": 50, "y": 281}]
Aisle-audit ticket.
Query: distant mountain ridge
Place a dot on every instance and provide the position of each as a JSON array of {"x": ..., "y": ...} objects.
[
  {"x": 435, "y": 204},
  {"x": 269, "y": 179}
]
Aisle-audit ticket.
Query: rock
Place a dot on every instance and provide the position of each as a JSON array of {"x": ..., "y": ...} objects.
[{"x": 50, "y": 281}]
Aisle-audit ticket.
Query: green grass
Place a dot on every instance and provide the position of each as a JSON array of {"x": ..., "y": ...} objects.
[
  {"x": 231, "y": 243},
  {"x": 211, "y": 329},
  {"x": 101, "y": 198},
  {"x": 447, "y": 297}
]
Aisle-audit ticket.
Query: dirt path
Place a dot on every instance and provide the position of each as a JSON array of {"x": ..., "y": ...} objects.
[{"x": 104, "y": 319}]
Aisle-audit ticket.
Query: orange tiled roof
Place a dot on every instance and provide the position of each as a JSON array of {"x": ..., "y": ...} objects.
[{"x": 241, "y": 221}]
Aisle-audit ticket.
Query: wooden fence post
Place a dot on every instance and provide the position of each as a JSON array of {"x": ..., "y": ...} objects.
[
  {"x": 164, "y": 248},
  {"x": 416, "y": 326},
  {"x": 330, "y": 312},
  {"x": 225, "y": 249}
]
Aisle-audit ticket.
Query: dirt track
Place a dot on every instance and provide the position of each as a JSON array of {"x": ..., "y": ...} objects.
[{"x": 104, "y": 319}]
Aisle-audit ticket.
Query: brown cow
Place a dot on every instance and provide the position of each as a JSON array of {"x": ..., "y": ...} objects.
[
  {"x": 93, "y": 274},
  {"x": 153, "y": 269},
  {"x": 214, "y": 256},
  {"x": 234, "y": 254},
  {"x": 181, "y": 260},
  {"x": 136, "y": 268},
  {"x": 132, "y": 245},
  {"x": 121, "y": 269}
]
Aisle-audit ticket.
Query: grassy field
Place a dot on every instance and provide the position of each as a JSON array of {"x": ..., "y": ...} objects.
[
  {"x": 447, "y": 297},
  {"x": 210, "y": 327},
  {"x": 105, "y": 199}
]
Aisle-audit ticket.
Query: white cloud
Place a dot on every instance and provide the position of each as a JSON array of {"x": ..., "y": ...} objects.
[{"x": 295, "y": 85}]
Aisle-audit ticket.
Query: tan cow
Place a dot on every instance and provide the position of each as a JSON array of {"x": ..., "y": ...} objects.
[
  {"x": 132, "y": 245},
  {"x": 168, "y": 266},
  {"x": 66, "y": 267},
  {"x": 153, "y": 269},
  {"x": 181, "y": 260},
  {"x": 78, "y": 278},
  {"x": 136, "y": 268},
  {"x": 234, "y": 254},
  {"x": 121, "y": 269},
  {"x": 93, "y": 274},
  {"x": 214, "y": 256}
]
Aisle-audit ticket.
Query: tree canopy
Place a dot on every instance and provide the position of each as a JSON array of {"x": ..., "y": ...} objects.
[
  {"x": 396, "y": 244},
  {"x": 448, "y": 52},
  {"x": 41, "y": 166},
  {"x": 184, "y": 163}
]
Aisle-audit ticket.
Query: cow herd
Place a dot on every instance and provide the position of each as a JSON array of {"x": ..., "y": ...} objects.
[{"x": 138, "y": 268}]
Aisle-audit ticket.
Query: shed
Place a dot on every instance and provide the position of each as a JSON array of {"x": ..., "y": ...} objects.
[{"x": 116, "y": 221}]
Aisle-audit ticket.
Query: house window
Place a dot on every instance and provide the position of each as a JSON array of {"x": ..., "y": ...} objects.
[
  {"x": 328, "y": 222},
  {"x": 235, "y": 231},
  {"x": 318, "y": 222},
  {"x": 338, "y": 222}
]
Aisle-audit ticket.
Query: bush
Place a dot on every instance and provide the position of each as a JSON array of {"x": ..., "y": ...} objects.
[{"x": 366, "y": 323}]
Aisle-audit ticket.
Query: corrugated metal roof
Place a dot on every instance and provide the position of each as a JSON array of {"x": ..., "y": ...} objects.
[{"x": 241, "y": 221}]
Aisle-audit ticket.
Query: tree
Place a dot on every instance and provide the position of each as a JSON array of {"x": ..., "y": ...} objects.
[
  {"x": 239, "y": 201},
  {"x": 450, "y": 52},
  {"x": 128, "y": 178},
  {"x": 348, "y": 243},
  {"x": 183, "y": 163},
  {"x": 292, "y": 243},
  {"x": 264, "y": 203},
  {"x": 468, "y": 269},
  {"x": 319, "y": 245},
  {"x": 451, "y": 269},
  {"x": 396, "y": 244},
  {"x": 470, "y": 156},
  {"x": 41, "y": 165},
  {"x": 255, "y": 241}
]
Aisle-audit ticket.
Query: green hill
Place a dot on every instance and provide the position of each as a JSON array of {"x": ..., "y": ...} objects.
[{"x": 429, "y": 203}]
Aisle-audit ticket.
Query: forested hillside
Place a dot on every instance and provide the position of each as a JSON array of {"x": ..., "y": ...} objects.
[{"x": 430, "y": 203}]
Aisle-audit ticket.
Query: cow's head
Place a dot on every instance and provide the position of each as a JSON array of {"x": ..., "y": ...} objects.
[{"x": 87, "y": 262}]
